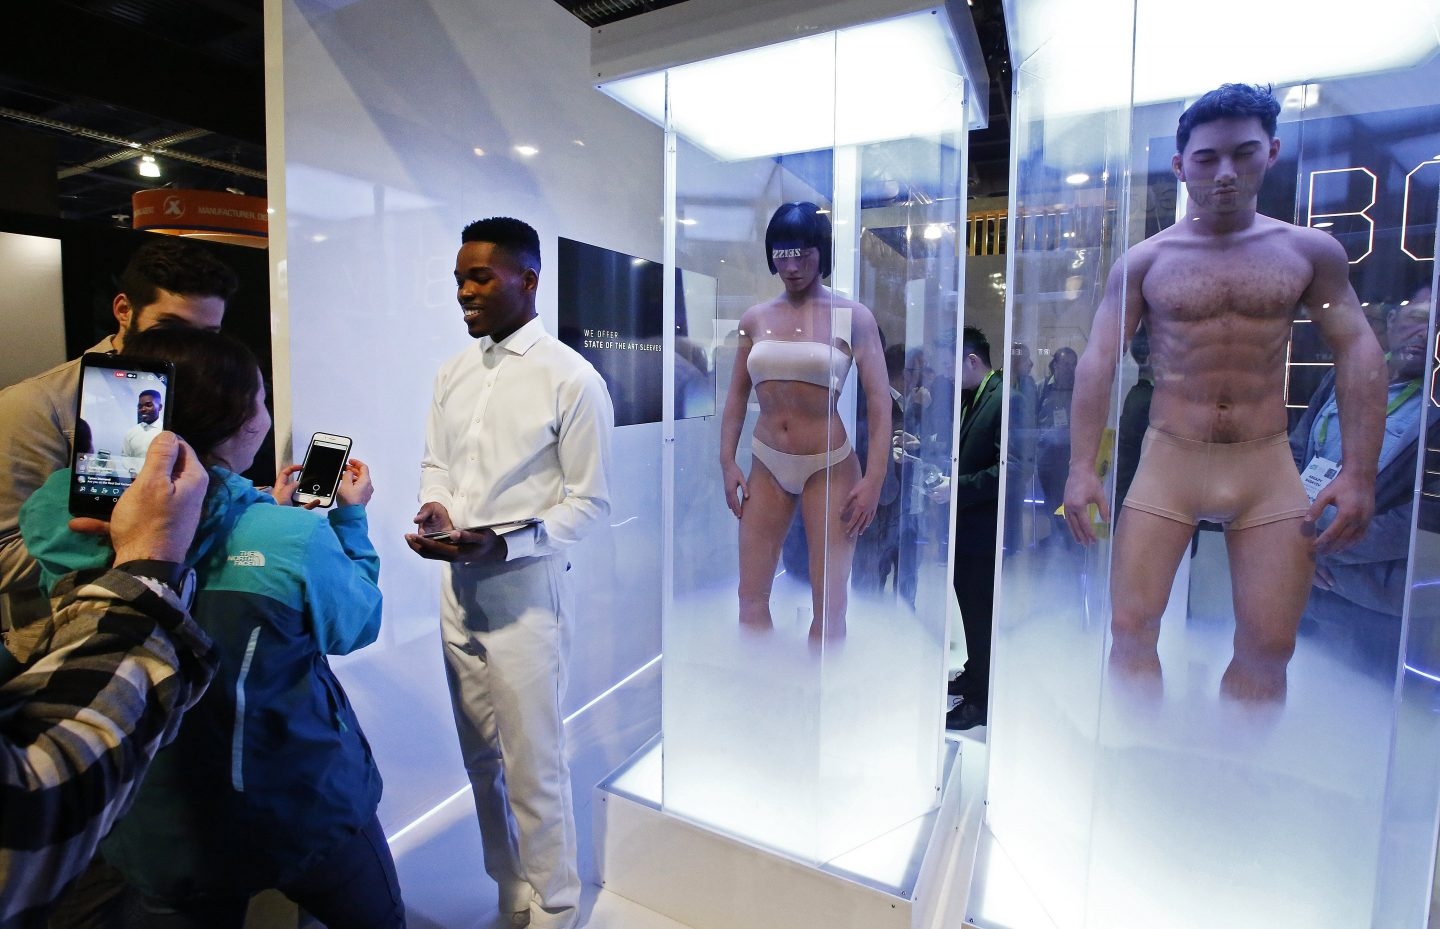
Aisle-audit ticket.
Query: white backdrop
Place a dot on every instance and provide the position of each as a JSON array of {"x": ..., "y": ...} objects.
[{"x": 32, "y": 303}]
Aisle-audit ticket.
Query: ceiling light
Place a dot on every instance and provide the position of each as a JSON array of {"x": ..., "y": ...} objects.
[
  {"x": 526, "y": 150},
  {"x": 712, "y": 102},
  {"x": 934, "y": 231},
  {"x": 1079, "y": 177},
  {"x": 1127, "y": 49},
  {"x": 479, "y": 152},
  {"x": 148, "y": 167}
]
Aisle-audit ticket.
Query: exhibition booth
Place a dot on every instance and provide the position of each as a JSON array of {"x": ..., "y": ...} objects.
[{"x": 762, "y": 712}]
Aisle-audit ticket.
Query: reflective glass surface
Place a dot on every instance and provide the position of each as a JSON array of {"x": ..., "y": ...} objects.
[
  {"x": 803, "y": 656},
  {"x": 1198, "y": 718}
]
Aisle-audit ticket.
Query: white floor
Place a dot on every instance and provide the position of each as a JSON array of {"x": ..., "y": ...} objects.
[{"x": 446, "y": 887}]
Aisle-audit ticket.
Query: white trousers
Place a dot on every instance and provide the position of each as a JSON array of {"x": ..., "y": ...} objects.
[{"x": 506, "y": 633}]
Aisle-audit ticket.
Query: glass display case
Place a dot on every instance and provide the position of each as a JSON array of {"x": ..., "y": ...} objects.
[
  {"x": 1196, "y": 719},
  {"x": 815, "y": 192}
]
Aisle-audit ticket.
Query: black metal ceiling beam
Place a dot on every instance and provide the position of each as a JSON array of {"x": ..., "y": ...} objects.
[{"x": 60, "y": 46}]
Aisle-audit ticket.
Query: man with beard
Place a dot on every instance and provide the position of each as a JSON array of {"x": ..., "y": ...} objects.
[
  {"x": 1357, "y": 596},
  {"x": 1217, "y": 293},
  {"x": 168, "y": 282},
  {"x": 147, "y": 424}
]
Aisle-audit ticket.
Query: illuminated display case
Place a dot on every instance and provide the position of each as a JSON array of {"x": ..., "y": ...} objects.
[
  {"x": 801, "y": 701},
  {"x": 1175, "y": 796}
]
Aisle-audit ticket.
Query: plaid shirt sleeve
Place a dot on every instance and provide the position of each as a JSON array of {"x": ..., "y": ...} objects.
[{"x": 79, "y": 726}]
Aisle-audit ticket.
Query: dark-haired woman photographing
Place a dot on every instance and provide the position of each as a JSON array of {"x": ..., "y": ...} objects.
[
  {"x": 270, "y": 782},
  {"x": 796, "y": 352}
]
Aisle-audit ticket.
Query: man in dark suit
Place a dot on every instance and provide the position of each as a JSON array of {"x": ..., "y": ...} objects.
[{"x": 976, "y": 490}]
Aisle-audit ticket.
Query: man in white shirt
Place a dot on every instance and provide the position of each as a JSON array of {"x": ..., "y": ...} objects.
[
  {"x": 138, "y": 436},
  {"x": 519, "y": 429}
]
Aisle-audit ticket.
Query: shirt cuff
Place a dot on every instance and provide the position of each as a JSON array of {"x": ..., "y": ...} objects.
[{"x": 520, "y": 543}]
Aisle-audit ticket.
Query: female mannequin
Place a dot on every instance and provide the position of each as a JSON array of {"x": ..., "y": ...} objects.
[{"x": 796, "y": 351}]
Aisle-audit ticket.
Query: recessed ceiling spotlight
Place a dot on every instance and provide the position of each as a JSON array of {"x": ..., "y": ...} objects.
[
  {"x": 526, "y": 150},
  {"x": 1079, "y": 177}
]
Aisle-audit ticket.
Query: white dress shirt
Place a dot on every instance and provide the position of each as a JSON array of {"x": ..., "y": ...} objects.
[
  {"x": 138, "y": 439},
  {"x": 518, "y": 429}
]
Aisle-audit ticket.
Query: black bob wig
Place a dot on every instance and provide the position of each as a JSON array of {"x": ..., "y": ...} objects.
[{"x": 799, "y": 224}]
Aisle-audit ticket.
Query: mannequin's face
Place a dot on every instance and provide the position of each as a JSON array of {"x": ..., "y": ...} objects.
[
  {"x": 1224, "y": 164},
  {"x": 797, "y": 271}
]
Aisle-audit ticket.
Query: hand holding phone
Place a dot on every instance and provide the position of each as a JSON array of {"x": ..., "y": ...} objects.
[
  {"x": 448, "y": 535},
  {"x": 355, "y": 488},
  {"x": 320, "y": 474},
  {"x": 122, "y": 405}
]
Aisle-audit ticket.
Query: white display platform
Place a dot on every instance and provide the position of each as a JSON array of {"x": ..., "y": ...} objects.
[{"x": 914, "y": 877}]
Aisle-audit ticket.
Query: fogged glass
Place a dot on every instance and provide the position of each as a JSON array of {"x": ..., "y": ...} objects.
[
  {"x": 802, "y": 659},
  {"x": 1198, "y": 725}
]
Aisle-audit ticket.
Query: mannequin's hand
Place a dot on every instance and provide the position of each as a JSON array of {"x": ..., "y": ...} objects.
[
  {"x": 1353, "y": 497},
  {"x": 859, "y": 510},
  {"x": 735, "y": 488},
  {"x": 1081, "y": 490}
]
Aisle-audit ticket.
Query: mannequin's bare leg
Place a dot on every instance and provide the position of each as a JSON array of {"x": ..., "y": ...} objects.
[
  {"x": 764, "y": 520},
  {"x": 1271, "y": 567},
  {"x": 831, "y": 551},
  {"x": 1148, "y": 549}
]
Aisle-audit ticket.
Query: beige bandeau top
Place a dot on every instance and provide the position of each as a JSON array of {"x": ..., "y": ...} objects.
[{"x": 812, "y": 362}]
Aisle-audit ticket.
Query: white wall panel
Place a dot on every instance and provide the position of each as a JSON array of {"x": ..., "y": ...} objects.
[
  {"x": 32, "y": 304},
  {"x": 380, "y": 113}
]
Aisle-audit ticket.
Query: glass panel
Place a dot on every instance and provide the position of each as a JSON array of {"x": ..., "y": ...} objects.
[
  {"x": 1191, "y": 726},
  {"x": 802, "y": 664},
  {"x": 370, "y": 204}
]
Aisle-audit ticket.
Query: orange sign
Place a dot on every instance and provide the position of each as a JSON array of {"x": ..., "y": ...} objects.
[{"x": 202, "y": 211}]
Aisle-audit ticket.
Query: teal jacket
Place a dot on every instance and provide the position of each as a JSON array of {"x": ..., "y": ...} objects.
[{"x": 270, "y": 769}]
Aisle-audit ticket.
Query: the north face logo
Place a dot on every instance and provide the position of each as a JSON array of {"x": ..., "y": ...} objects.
[{"x": 248, "y": 559}]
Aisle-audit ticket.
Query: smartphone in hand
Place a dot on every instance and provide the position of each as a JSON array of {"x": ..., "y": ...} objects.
[
  {"x": 447, "y": 535},
  {"x": 324, "y": 463},
  {"x": 123, "y": 403}
]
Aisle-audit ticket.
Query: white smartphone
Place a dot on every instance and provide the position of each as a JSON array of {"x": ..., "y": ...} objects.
[{"x": 324, "y": 463}]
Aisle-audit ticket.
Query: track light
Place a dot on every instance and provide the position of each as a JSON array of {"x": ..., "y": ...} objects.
[{"x": 148, "y": 166}]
